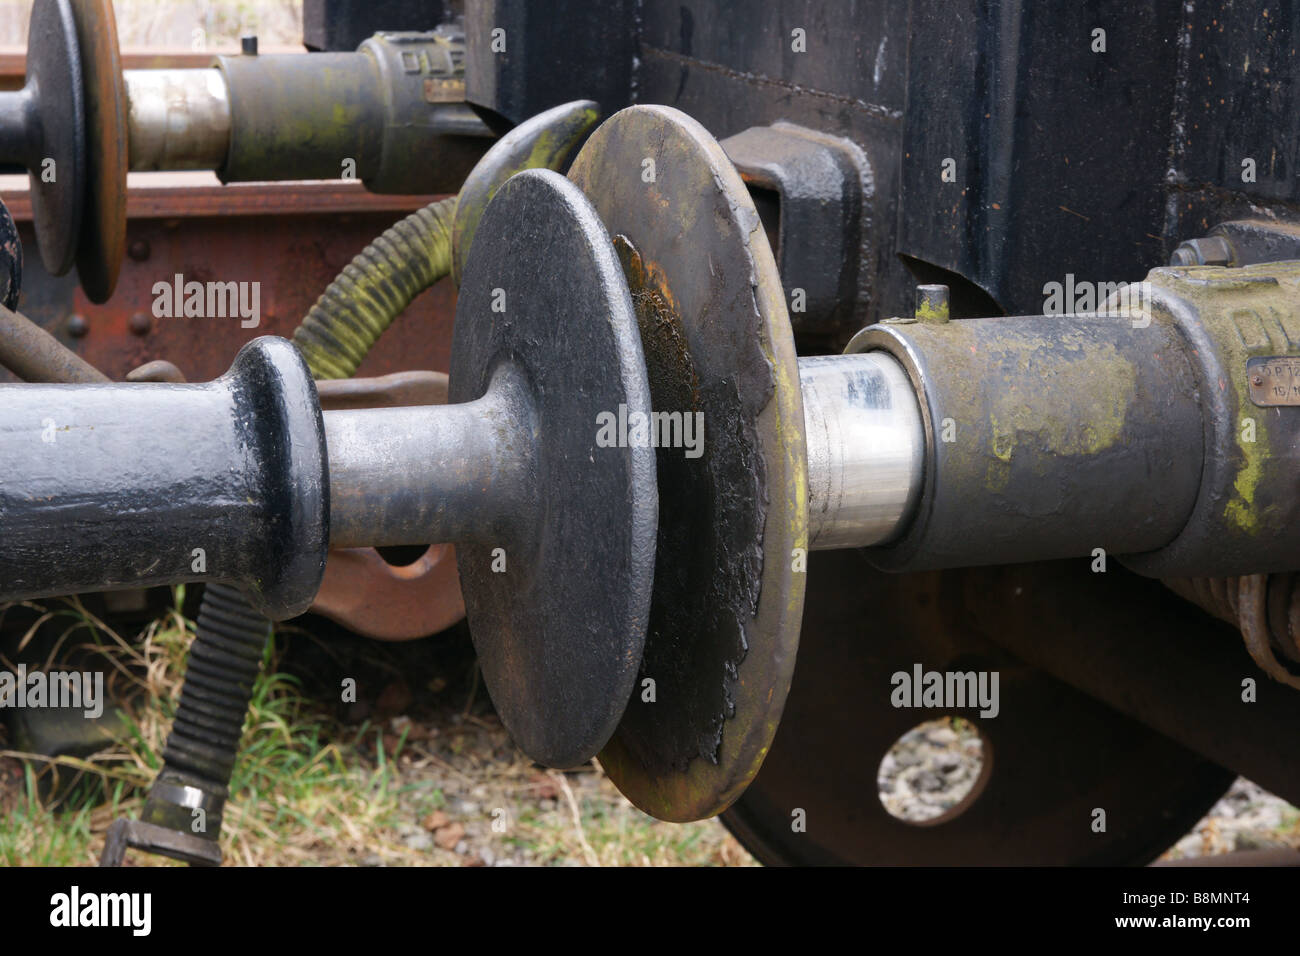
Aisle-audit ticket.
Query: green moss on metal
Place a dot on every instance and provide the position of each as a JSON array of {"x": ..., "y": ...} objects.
[
  {"x": 927, "y": 312},
  {"x": 373, "y": 289},
  {"x": 1241, "y": 509},
  {"x": 1102, "y": 389},
  {"x": 546, "y": 141},
  {"x": 1243, "y": 310}
]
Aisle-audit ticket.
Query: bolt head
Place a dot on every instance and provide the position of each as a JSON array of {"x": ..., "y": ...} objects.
[
  {"x": 139, "y": 323},
  {"x": 1209, "y": 251}
]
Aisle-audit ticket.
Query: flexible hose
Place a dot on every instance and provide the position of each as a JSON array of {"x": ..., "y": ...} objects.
[
  {"x": 230, "y": 637},
  {"x": 224, "y": 661},
  {"x": 374, "y": 288}
]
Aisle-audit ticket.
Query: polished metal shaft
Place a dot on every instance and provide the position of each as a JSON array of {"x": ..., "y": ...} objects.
[
  {"x": 182, "y": 119},
  {"x": 430, "y": 474},
  {"x": 866, "y": 448},
  {"x": 441, "y": 473},
  {"x": 177, "y": 119}
]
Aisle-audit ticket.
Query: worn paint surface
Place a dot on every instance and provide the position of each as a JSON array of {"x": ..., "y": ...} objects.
[
  {"x": 1047, "y": 437},
  {"x": 1247, "y": 517}
]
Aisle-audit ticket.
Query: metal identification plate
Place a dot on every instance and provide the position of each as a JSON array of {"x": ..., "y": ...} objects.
[{"x": 1274, "y": 380}]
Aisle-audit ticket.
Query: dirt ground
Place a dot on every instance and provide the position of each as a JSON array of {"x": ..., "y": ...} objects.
[
  {"x": 499, "y": 809},
  {"x": 418, "y": 770}
]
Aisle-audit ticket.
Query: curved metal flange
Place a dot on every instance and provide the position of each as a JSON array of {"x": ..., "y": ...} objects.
[
  {"x": 557, "y": 581},
  {"x": 1052, "y": 755},
  {"x": 11, "y": 260},
  {"x": 546, "y": 141},
  {"x": 724, "y": 625},
  {"x": 102, "y": 239},
  {"x": 366, "y": 594}
]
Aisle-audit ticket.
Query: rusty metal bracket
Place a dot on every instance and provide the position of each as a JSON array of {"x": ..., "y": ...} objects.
[
  {"x": 384, "y": 391},
  {"x": 366, "y": 594},
  {"x": 126, "y": 834}
]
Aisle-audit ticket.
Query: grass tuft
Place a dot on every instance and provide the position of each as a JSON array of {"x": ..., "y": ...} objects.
[{"x": 448, "y": 789}]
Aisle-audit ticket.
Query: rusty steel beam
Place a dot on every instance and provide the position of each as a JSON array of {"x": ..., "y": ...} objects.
[
  {"x": 13, "y": 59},
  {"x": 290, "y": 238},
  {"x": 188, "y": 195}
]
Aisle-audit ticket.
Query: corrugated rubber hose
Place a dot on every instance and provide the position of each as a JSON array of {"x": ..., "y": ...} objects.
[
  {"x": 374, "y": 288},
  {"x": 230, "y": 637}
]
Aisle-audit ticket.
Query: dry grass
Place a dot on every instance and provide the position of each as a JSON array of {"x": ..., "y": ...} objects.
[
  {"x": 444, "y": 787},
  {"x": 423, "y": 774}
]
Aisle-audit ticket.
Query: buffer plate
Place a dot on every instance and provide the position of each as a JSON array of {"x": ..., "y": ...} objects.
[
  {"x": 57, "y": 133},
  {"x": 103, "y": 233},
  {"x": 558, "y": 596},
  {"x": 728, "y": 592}
]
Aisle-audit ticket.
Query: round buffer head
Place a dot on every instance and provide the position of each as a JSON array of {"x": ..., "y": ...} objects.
[
  {"x": 728, "y": 593},
  {"x": 557, "y": 588},
  {"x": 103, "y": 231},
  {"x": 56, "y": 133}
]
